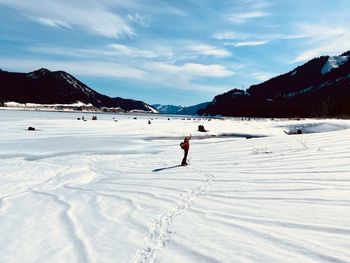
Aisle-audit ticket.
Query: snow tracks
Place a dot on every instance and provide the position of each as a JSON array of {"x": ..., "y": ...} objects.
[{"x": 160, "y": 231}]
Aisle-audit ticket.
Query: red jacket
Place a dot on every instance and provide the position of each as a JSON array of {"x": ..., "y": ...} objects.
[{"x": 186, "y": 143}]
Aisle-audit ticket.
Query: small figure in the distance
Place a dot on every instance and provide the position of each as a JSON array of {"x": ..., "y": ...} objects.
[{"x": 185, "y": 145}]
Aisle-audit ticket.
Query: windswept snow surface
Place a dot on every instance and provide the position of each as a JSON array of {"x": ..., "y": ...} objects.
[{"x": 107, "y": 191}]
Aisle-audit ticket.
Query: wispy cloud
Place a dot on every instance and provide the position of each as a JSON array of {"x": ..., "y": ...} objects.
[
  {"x": 144, "y": 20},
  {"x": 187, "y": 52},
  {"x": 193, "y": 70},
  {"x": 322, "y": 39},
  {"x": 188, "y": 76},
  {"x": 185, "y": 44},
  {"x": 248, "y": 43},
  {"x": 230, "y": 35},
  {"x": 53, "y": 23},
  {"x": 256, "y": 39},
  {"x": 262, "y": 76},
  {"x": 107, "y": 52},
  {"x": 208, "y": 50},
  {"x": 239, "y": 18},
  {"x": 82, "y": 68},
  {"x": 89, "y": 15},
  {"x": 132, "y": 52}
]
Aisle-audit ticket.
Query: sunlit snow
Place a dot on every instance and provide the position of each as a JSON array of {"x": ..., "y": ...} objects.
[
  {"x": 111, "y": 190},
  {"x": 333, "y": 62}
]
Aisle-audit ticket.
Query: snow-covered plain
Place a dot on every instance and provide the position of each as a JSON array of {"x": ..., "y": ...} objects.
[{"x": 109, "y": 191}]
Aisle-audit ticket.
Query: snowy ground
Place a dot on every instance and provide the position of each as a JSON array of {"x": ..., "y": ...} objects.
[{"x": 96, "y": 191}]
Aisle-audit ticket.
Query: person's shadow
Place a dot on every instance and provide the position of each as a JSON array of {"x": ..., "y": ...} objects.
[{"x": 165, "y": 168}]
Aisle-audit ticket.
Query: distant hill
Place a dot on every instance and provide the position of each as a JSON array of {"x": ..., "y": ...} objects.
[
  {"x": 46, "y": 87},
  {"x": 180, "y": 110},
  {"x": 192, "y": 110},
  {"x": 319, "y": 88}
]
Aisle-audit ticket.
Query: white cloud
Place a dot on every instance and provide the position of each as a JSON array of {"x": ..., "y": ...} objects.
[
  {"x": 262, "y": 76},
  {"x": 83, "y": 68},
  {"x": 188, "y": 76},
  {"x": 143, "y": 20},
  {"x": 53, "y": 23},
  {"x": 248, "y": 43},
  {"x": 107, "y": 52},
  {"x": 149, "y": 74},
  {"x": 321, "y": 31},
  {"x": 169, "y": 54},
  {"x": 89, "y": 15},
  {"x": 200, "y": 70},
  {"x": 208, "y": 50},
  {"x": 255, "y": 4},
  {"x": 132, "y": 52},
  {"x": 308, "y": 54},
  {"x": 229, "y": 35},
  {"x": 243, "y": 17},
  {"x": 253, "y": 39},
  {"x": 322, "y": 40},
  {"x": 193, "y": 70}
]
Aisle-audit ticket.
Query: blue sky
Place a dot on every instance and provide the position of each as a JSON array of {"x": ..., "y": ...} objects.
[{"x": 180, "y": 52}]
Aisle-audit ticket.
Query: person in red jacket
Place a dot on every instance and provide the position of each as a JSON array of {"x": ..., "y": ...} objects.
[{"x": 185, "y": 145}]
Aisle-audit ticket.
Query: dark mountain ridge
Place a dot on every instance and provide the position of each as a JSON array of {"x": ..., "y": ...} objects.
[
  {"x": 319, "y": 88},
  {"x": 58, "y": 87}
]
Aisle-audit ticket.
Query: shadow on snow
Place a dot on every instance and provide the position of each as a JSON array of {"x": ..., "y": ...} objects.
[{"x": 165, "y": 168}]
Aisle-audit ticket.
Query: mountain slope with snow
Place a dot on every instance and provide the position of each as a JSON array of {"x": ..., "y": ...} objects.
[
  {"x": 334, "y": 63},
  {"x": 319, "y": 88},
  {"x": 46, "y": 87}
]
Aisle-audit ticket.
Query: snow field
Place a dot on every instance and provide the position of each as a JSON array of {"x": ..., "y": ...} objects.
[{"x": 106, "y": 191}]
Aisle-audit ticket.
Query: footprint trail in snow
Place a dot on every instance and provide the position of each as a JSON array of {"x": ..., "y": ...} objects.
[{"x": 160, "y": 231}]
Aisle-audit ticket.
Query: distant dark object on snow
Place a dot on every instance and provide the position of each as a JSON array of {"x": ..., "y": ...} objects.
[
  {"x": 201, "y": 128},
  {"x": 295, "y": 131},
  {"x": 249, "y": 137},
  {"x": 149, "y": 122},
  {"x": 31, "y": 129},
  {"x": 94, "y": 118}
]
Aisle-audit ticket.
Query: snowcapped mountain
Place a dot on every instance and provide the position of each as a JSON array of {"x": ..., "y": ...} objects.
[
  {"x": 167, "y": 109},
  {"x": 180, "y": 110},
  {"x": 333, "y": 62},
  {"x": 46, "y": 87},
  {"x": 192, "y": 110},
  {"x": 319, "y": 88}
]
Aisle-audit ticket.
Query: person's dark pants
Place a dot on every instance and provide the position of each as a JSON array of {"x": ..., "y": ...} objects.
[{"x": 184, "y": 160}]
